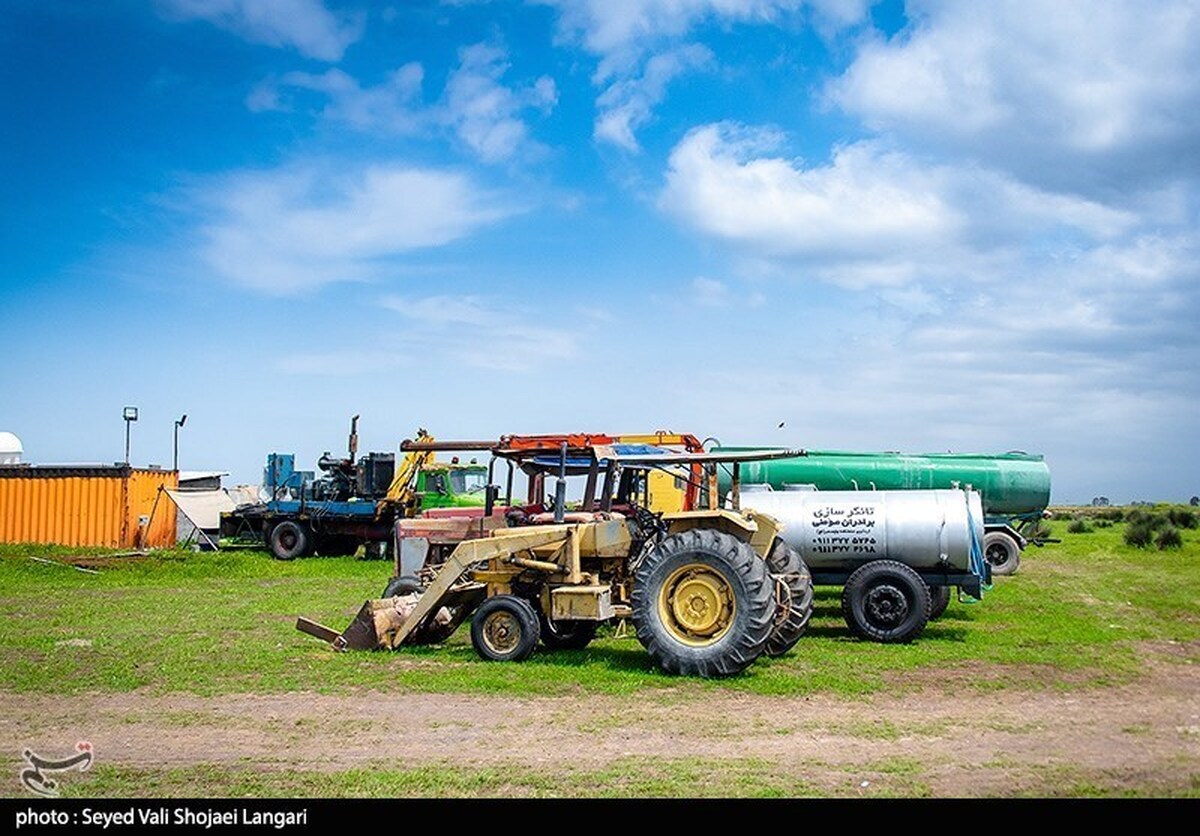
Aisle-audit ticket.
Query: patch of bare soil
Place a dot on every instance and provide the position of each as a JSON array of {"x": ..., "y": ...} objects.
[{"x": 1144, "y": 736}]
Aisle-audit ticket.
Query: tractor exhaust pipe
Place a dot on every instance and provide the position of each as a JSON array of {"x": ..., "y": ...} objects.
[{"x": 560, "y": 486}]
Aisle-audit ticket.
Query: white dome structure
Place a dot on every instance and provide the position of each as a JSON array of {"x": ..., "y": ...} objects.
[{"x": 10, "y": 449}]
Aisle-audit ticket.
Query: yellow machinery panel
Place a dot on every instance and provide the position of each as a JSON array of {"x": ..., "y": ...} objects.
[
  {"x": 666, "y": 492},
  {"x": 605, "y": 539},
  {"x": 581, "y": 603}
]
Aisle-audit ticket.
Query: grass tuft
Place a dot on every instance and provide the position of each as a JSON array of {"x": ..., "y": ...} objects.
[
  {"x": 1169, "y": 538},
  {"x": 1182, "y": 518}
]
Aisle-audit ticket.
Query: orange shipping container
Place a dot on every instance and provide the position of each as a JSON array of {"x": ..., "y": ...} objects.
[{"x": 89, "y": 505}]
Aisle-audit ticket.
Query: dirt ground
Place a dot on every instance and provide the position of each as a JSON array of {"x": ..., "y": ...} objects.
[{"x": 1144, "y": 736}]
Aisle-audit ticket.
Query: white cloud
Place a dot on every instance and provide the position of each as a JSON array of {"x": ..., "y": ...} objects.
[
  {"x": 484, "y": 113},
  {"x": 609, "y": 29},
  {"x": 304, "y": 25},
  {"x": 1091, "y": 96},
  {"x": 393, "y": 106},
  {"x": 303, "y": 226},
  {"x": 768, "y": 204},
  {"x": 442, "y": 310},
  {"x": 628, "y": 103},
  {"x": 485, "y": 335},
  {"x": 640, "y": 46},
  {"x": 711, "y": 293},
  {"x": 871, "y": 216},
  {"x": 264, "y": 97}
]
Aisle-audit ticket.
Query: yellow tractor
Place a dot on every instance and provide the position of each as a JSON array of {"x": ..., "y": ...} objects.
[{"x": 707, "y": 589}]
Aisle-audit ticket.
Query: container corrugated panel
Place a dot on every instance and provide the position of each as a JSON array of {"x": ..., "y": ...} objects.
[
  {"x": 86, "y": 506},
  {"x": 146, "y": 499}
]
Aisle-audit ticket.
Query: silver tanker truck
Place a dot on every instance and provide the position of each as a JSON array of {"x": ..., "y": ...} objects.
[
  {"x": 1014, "y": 486},
  {"x": 896, "y": 554}
]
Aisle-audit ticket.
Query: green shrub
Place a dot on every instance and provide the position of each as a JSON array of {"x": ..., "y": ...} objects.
[
  {"x": 1139, "y": 516},
  {"x": 1136, "y": 516},
  {"x": 1079, "y": 526},
  {"x": 1111, "y": 514},
  {"x": 1139, "y": 533},
  {"x": 1103, "y": 523},
  {"x": 1169, "y": 538},
  {"x": 1182, "y": 518}
]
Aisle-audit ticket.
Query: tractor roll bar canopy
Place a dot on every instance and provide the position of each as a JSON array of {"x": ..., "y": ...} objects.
[{"x": 582, "y": 453}]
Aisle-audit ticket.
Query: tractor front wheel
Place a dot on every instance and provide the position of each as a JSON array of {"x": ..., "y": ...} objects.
[
  {"x": 703, "y": 603},
  {"x": 505, "y": 629}
]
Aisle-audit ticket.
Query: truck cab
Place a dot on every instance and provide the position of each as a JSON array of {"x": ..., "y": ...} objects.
[{"x": 452, "y": 485}]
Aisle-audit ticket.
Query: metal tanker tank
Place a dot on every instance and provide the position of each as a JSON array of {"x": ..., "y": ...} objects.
[
  {"x": 838, "y": 531},
  {"x": 1013, "y": 486}
]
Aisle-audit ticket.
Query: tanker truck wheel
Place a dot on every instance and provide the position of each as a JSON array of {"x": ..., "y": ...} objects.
[
  {"x": 1002, "y": 552},
  {"x": 939, "y": 599},
  {"x": 290, "y": 540},
  {"x": 787, "y": 567},
  {"x": 885, "y": 601},
  {"x": 703, "y": 604},
  {"x": 505, "y": 629}
]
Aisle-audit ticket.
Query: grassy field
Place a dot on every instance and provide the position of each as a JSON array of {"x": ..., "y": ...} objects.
[{"x": 1079, "y": 614}]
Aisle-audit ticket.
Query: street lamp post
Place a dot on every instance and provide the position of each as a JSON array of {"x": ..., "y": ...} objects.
[
  {"x": 130, "y": 415},
  {"x": 179, "y": 423}
]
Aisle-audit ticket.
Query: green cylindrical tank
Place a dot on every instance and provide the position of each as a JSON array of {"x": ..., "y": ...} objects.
[{"x": 1013, "y": 486}]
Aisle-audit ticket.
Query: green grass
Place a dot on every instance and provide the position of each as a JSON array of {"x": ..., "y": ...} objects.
[
  {"x": 1078, "y": 614},
  {"x": 642, "y": 777},
  {"x": 622, "y": 778}
]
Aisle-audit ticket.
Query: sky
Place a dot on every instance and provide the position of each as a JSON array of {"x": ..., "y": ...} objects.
[{"x": 833, "y": 224}]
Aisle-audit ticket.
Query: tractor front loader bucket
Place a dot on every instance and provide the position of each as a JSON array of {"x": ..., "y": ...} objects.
[
  {"x": 418, "y": 618},
  {"x": 376, "y": 621}
]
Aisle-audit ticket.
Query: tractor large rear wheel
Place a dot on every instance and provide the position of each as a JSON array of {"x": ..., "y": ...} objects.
[
  {"x": 703, "y": 604},
  {"x": 787, "y": 568}
]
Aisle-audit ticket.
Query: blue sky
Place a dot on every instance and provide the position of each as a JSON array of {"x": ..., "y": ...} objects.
[{"x": 904, "y": 225}]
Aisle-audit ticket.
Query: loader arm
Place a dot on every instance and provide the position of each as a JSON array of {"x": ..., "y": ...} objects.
[
  {"x": 461, "y": 560},
  {"x": 401, "y": 491}
]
